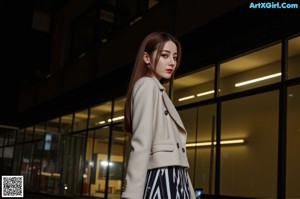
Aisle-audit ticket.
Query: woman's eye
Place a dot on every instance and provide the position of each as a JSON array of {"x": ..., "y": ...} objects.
[
  {"x": 175, "y": 58},
  {"x": 164, "y": 55}
]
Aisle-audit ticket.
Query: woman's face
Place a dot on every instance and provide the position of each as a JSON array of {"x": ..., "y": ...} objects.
[{"x": 167, "y": 61}]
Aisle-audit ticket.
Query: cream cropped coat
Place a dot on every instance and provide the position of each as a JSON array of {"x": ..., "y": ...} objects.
[{"x": 158, "y": 139}]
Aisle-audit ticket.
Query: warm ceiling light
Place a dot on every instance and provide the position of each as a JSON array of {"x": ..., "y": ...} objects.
[
  {"x": 8, "y": 127},
  {"x": 223, "y": 142},
  {"x": 257, "y": 79},
  {"x": 186, "y": 98},
  {"x": 205, "y": 93},
  {"x": 101, "y": 122},
  {"x": 116, "y": 118}
]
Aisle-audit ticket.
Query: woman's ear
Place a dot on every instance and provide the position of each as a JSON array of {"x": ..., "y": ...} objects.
[{"x": 146, "y": 58}]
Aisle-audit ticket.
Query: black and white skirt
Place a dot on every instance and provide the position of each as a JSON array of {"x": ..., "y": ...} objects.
[{"x": 167, "y": 183}]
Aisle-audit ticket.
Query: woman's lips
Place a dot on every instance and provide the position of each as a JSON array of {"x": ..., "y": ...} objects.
[{"x": 169, "y": 70}]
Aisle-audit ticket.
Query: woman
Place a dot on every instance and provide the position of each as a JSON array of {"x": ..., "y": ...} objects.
[{"x": 157, "y": 166}]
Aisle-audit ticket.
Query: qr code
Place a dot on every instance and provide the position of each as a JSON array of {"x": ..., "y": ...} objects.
[{"x": 12, "y": 186}]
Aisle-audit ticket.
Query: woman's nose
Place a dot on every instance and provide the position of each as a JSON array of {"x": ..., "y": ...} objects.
[{"x": 172, "y": 62}]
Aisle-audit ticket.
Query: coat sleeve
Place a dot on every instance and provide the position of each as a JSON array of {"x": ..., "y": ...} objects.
[{"x": 143, "y": 102}]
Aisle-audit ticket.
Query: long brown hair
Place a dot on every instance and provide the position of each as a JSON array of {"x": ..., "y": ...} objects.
[{"x": 154, "y": 41}]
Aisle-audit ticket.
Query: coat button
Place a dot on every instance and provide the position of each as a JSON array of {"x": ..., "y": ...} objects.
[
  {"x": 123, "y": 189},
  {"x": 166, "y": 112},
  {"x": 183, "y": 150},
  {"x": 178, "y": 145}
]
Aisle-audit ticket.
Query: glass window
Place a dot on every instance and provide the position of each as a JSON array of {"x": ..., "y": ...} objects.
[
  {"x": 2, "y": 139},
  {"x": 89, "y": 170},
  {"x": 29, "y": 133},
  {"x": 293, "y": 137},
  {"x": 195, "y": 87},
  {"x": 30, "y": 165},
  {"x": 17, "y": 159},
  {"x": 53, "y": 126},
  {"x": 1, "y": 153},
  {"x": 260, "y": 68},
  {"x": 119, "y": 110},
  {"x": 200, "y": 125},
  {"x": 116, "y": 165},
  {"x": 36, "y": 166},
  {"x": 7, "y": 138},
  {"x": 97, "y": 157},
  {"x": 50, "y": 169},
  {"x": 7, "y": 160},
  {"x": 39, "y": 131},
  {"x": 189, "y": 119},
  {"x": 20, "y": 135},
  {"x": 72, "y": 150},
  {"x": 249, "y": 145},
  {"x": 80, "y": 121},
  {"x": 66, "y": 124},
  {"x": 294, "y": 57},
  {"x": 99, "y": 115},
  {"x": 11, "y": 137}
]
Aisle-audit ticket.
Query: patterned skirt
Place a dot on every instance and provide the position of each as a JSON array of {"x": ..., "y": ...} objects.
[{"x": 167, "y": 183}]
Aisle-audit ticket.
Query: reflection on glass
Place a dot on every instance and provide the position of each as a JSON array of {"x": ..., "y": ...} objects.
[
  {"x": 96, "y": 153},
  {"x": 205, "y": 156},
  {"x": 189, "y": 119},
  {"x": 118, "y": 115},
  {"x": 198, "y": 86},
  {"x": 26, "y": 164},
  {"x": 66, "y": 124},
  {"x": 116, "y": 164},
  {"x": 20, "y": 135},
  {"x": 53, "y": 126},
  {"x": 12, "y": 137},
  {"x": 200, "y": 125},
  {"x": 29, "y": 133},
  {"x": 30, "y": 166},
  {"x": 72, "y": 152},
  {"x": 99, "y": 115},
  {"x": 293, "y": 137},
  {"x": 250, "y": 169},
  {"x": 36, "y": 166},
  {"x": 89, "y": 170},
  {"x": 80, "y": 121},
  {"x": 7, "y": 160},
  {"x": 17, "y": 159},
  {"x": 294, "y": 58},
  {"x": 39, "y": 131},
  {"x": 51, "y": 170},
  {"x": 3, "y": 137},
  {"x": 253, "y": 70}
]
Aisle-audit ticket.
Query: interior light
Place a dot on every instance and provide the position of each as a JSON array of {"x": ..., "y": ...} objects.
[
  {"x": 105, "y": 163},
  {"x": 116, "y": 118},
  {"x": 257, "y": 80},
  {"x": 223, "y": 142},
  {"x": 205, "y": 93},
  {"x": 186, "y": 98}
]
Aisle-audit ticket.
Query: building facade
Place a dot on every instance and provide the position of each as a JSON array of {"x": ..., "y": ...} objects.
[{"x": 237, "y": 92}]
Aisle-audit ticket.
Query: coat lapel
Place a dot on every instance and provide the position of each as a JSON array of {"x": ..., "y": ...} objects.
[{"x": 169, "y": 105}]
